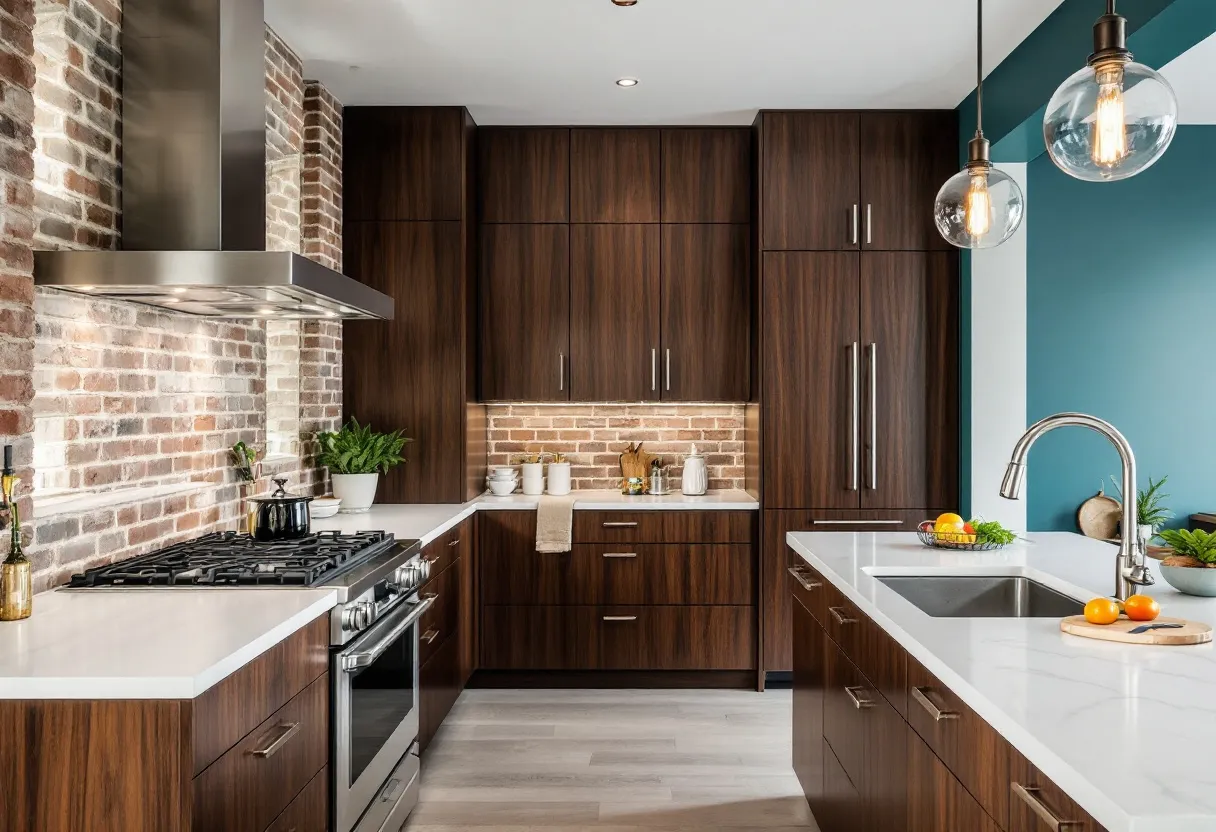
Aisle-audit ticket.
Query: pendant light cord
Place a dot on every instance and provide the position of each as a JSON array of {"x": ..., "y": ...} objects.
[{"x": 979, "y": 68}]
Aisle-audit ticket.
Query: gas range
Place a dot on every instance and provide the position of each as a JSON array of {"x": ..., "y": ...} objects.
[{"x": 371, "y": 572}]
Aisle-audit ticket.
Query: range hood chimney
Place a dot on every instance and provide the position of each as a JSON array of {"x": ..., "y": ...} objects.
[{"x": 194, "y": 179}]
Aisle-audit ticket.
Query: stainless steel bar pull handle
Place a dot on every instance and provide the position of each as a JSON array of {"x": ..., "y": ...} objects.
[
  {"x": 869, "y": 223},
  {"x": 854, "y": 417},
  {"x": 873, "y": 348},
  {"x": 561, "y": 371},
  {"x": 854, "y": 223},
  {"x": 619, "y": 524},
  {"x": 667, "y": 377},
  {"x": 430, "y": 635},
  {"x": 1030, "y": 796},
  {"x": 803, "y": 580},
  {"x": 286, "y": 732},
  {"x": 840, "y": 617},
  {"x": 620, "y": 618},
  {"x": 620, "y": 554},
  {"x": 654, "y": 370},
  {"x": 856, "y": 522},
  {"x": 455, "y": 542},
  {"x": 858, "y": 702},
  {"x": 921, "y": 695}
]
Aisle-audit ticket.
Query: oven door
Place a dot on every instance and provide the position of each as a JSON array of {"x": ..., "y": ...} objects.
[{"x": 375, "y": 708}]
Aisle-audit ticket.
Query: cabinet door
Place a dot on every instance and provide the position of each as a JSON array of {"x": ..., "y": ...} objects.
[
  {"x": 937, "y": 802},
  {"x": 707, "y": 174},
  {"x": 909, "y": 330},
  {"x": 1037, "y": 804},
  {"x": 525, "y": 335},
  {"x": 905, "y": 158},
  {"x": 706, "y": 319},
  {"x": 614, "y": 175},
  {"x": 439, "y": 687},
  {"x": 810, "y": 181},
  {"x": 842, "y": 808},
  {"x": 614, "y": 313},
  {"x": 811, "y": 343},
  {"x": 469, "y": 612},
  {"x": 808, "y": 706},
  {"x": 524, "y": 174},
  {"x": 885, "y": 783},
  {"x": 419, "y": 265}
]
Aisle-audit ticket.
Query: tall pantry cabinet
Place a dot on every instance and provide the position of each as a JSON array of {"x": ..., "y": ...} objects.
[{"x": 855, "y": 412}]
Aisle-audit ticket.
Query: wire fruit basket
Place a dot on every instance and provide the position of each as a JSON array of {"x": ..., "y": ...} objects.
[{"x": 957, "y": 541}]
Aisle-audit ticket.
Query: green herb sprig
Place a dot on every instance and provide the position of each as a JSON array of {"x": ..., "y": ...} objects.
[{"x": 990, "y": 531}]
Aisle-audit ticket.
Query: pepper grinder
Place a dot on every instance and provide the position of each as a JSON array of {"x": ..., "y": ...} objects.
[{"x": 16, "y": 573}]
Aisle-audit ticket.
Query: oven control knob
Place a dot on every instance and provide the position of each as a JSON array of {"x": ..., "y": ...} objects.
[
  {"x": 424, "y": 570},
  {"x": 405, "y": 577},
  {"x": 357, "y": 616}
]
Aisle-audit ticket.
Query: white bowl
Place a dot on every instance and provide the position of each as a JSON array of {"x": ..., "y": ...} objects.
[
  {"x": 502, "y": 473},
  {"x": 322, "y": 507},
  {"x": 1190, "y": 580},
  {"x": 502, "y": 488}
]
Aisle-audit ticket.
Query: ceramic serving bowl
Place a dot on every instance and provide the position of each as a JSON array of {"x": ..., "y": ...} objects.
[
  {"x": 323, "y": 507},
  {"x": 502, "y": 488},
  {"x": 1190, "y": 580},
  {"x": 502, "y": 472}
]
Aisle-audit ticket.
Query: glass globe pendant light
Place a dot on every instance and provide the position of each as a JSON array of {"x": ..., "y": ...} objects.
[
  {"x": 979, "y": 207},
  {"x": 1113, "y": 118}
]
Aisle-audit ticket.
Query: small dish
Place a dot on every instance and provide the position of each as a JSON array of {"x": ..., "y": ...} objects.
[
  {"x": 502, "y": 488},
  {"x": 323, "y": 507},
  {"x": 502, "y": 472}
]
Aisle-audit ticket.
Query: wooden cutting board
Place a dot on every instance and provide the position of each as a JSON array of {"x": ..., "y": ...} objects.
[{"x": 1192, "y": 632}]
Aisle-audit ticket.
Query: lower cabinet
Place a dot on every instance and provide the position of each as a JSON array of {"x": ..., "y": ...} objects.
[
  {"x": 937, "y": 801},
  {"x": 309, "y": 812},
  {"x": 439, "y": 686},
  {"x": 447, "y": 641},
  {"x": 809, "y": 751}
]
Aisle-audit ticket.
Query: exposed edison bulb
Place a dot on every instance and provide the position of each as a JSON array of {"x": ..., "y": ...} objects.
[
  {"x": 979, "y": 205},
  {"x": 1110, "y": 132}
]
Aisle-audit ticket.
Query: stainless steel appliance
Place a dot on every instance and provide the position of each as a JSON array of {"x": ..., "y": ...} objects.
[{"x": 374, "y": 766}]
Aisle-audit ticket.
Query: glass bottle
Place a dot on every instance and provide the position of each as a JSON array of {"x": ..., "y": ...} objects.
[{"x": 16, "y": 572}]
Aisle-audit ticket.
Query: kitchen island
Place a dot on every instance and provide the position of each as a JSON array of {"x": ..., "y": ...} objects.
[{"x": 1125, "y": 731}]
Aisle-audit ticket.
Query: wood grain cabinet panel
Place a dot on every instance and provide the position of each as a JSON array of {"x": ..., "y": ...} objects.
[
  {"x": 614, "y": 175},
  {"x": 1036, "y": 804},
  {"x": 614, "y": 321},
  {"x": 400, "y": 163},
  {"x": 247, "y": 788},
  {"x": 807, "y": 719},
  {"x": 677, "y": 638},
  {"x": 706, "y": 313},
  {"x": 707, "y": 175},
  {"x": 937, "y": 801},
  {"x": 442, "y": 619},
  {"x": 309, "y": 811},
  {"x": 909, "y": 330},
  {"x": 842, "y": 808},
  {"x": 664, "y": 526},
  {"x": 540, "y": 637},
  {"x": 810, "y": 169},
  {"x": 524, "y": 173},
  {"x": 905, "y": 158},
  {"x": 525, "y": 335},
  {"x": 844, "y": 725},
  {"x": 439, "y": 686}
]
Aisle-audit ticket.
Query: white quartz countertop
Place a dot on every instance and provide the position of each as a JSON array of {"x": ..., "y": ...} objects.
[
  {"x": 427, "y": 522},
  {"x": 146, "y": 643},
  {"x": 1126, "y": 730}
]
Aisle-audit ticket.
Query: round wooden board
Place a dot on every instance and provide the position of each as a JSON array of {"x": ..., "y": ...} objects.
[
  {"x": 1192, "y": 632},
  {"x": 1099, "y": 516}
]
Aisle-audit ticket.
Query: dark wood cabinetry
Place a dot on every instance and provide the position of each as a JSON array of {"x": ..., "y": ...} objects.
[
  {"x": 614, "y": 174},
  {"x": 706, "y": 313},
  {"x": 705, "y": 175},
  {"x": 524, "y": 174},
  {"x": 614, "y": 325},
  {"x": 448, "y": 632},
  {"x": 905, "y": 158},
  {"x": 937, "y": 802},
  {"x": 525, "y": 300},
  {"x": 807, "y": 711},
  {"x": 409, "y": 232},
  {"x": 1036, "y": 804}
]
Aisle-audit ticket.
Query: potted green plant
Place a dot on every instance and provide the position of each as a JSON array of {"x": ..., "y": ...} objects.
[
  {"x": 356, "y": 456},
  {"x": 1192, "y": 567},
  {"x": 1151, "y": 512}
]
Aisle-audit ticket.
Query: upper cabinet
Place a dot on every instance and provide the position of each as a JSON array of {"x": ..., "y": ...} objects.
[
  {"x": 524, "y": 174},
  {"x": 406, "y": 163},
  {"x": 846, "y": 181},
  {"x": 706, "y": 175},
  {"x": 614, "y": 175}
]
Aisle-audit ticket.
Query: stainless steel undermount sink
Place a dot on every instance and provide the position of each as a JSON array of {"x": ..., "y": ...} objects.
[{"x": 1000, "y": 596}]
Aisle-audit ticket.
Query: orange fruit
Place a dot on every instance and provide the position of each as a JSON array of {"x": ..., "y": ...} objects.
[
  {"x": 1102, "y": 611},
  {"x": 1142, "y": 608}
]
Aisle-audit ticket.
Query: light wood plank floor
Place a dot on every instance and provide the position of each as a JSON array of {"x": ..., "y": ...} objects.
[{"x": 612, "y": 761}]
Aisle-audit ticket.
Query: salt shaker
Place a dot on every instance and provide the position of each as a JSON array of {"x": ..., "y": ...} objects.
[{"x": 695, "y": 480}]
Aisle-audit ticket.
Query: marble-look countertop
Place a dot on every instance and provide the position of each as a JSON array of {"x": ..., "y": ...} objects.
[
  {"x": 146, "y": 643},
  {"x": 427, "y": 522},
  {"x": 1126, "y": 730}
]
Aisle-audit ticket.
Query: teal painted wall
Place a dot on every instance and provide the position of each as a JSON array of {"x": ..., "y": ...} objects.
[{"x": 1122, "y": 275}]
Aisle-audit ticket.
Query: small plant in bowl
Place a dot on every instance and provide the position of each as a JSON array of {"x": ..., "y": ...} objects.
[
  {"x": 356, "y": 456},
  {"x": 1192, "y": 567}
]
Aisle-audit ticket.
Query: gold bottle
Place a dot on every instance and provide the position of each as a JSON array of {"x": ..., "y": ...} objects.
[{"x": 16, "y": 573}]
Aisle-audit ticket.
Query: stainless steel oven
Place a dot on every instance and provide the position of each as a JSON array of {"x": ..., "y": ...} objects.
[{"x": 375, "y": 719}]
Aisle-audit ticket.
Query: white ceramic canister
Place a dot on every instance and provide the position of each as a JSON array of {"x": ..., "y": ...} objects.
[
  {"x": 533, "y": 476},
  {"x": 559, "y": 478},
  {"x": 695, "y": 481}
]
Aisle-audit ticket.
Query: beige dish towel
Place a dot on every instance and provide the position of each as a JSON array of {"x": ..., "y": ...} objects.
[{"x": 554, "y": 524}]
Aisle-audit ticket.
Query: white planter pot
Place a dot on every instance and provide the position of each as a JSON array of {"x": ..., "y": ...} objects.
[
  {"x": 559, "y": 478},
  {"x": 356, "y": 491}
]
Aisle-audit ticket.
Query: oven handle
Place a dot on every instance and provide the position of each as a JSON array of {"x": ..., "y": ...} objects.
[{"x": 354, "y": 661}]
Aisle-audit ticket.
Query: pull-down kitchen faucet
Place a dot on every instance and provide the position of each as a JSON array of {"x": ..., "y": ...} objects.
[{"x": 1130, "y": 567}]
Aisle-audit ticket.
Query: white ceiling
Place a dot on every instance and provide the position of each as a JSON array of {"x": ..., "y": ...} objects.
[
  {"x": 1191, "y": 76},
  {"x": 699, "y": 61}
]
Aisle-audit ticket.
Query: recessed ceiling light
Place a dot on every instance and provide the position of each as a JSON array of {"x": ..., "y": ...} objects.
[
  {"x": 626, "y": 82},
  {"x": 624, "y": 3}
]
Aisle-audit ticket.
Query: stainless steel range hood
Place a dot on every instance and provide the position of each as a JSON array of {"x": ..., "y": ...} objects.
[{"x": 194, "y": 179}]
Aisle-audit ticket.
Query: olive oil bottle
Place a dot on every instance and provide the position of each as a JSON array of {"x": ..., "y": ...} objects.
[{"x": 16, "y": 573}]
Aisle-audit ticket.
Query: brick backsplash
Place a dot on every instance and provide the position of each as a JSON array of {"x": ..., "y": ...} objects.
[{"x": 593, "y": 436}]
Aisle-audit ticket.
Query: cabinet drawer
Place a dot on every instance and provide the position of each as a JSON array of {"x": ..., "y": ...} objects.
[
  {"x": 447, "y": 548},
  {"x": 937, "y": 801},
  {"x": 842, "y": 620},
  {"x": 841, "y": 809},
  {"x": 845, "y": 692},
  {"x": 540, "y": 637},
  {"x": 1036, "y": 804},
  {"x": 639, "y": 573},
  {"x": 247, "y": 788},
  {"x": 309, "y": 812},
  {"x": 868, "y": 646},
  {"x": 867, "y": 520},
  {"x": 443, "y": 617},
  {"x": 664, "y": 526},
  {"x": 807, "y": 585},
  {"x": 677, "y": 638},
  {"x": 968, "y": 746},
  {"x": 439, "y": 686},
  {"x": 224, "y": 714}
]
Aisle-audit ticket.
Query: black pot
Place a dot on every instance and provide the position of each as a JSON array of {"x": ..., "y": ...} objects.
[{"x": 279, "y": 516}]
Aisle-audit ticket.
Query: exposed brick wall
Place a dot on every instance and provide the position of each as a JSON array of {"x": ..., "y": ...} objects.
[
  {"x": 16, "y": 235},
  {"x": 593, "y": 435},
  {"x": 284, "y": 144}
]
